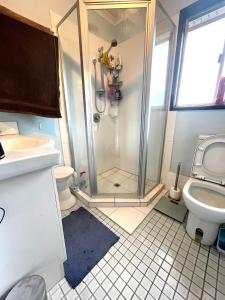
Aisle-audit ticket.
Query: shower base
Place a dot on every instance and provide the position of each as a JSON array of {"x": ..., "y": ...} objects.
[{"x": 117, "y": 181}]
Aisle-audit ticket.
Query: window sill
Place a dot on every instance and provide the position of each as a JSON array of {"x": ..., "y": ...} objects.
[{"x": 206, "y": 107}]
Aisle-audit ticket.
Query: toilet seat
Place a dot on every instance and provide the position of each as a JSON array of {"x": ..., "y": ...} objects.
[{"x": 209, "y": 163}]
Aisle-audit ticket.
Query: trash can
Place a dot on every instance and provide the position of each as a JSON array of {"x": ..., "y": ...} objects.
[{"x": 29, "y": 288}]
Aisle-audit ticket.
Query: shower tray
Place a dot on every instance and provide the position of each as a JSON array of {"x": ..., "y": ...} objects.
[{"x": 116, "y": 201}]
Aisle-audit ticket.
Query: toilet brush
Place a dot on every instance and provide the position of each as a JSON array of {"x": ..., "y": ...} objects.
[{"x": 175, "y": 192}]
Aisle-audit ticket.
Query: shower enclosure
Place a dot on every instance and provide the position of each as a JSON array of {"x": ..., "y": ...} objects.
[{"x": 116, "y": 70}]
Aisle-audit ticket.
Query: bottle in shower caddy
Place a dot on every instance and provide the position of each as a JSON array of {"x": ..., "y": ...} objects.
[
  {"x": 83, "y": 180},
  {"x": 118, "y": 95}
]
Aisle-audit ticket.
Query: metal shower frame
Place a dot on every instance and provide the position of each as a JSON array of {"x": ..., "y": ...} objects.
[{"x": 82, "y": 7}]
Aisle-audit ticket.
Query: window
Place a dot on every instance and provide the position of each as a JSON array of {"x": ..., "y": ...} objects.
[
  {"x": 159, "y": 75},
  {"x": 199, "y": 73}
]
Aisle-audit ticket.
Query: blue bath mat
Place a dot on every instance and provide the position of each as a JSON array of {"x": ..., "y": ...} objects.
[{"x": 87, "y": 241}]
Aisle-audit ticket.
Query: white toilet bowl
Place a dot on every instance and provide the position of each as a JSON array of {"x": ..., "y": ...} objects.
[
  {"x": 63, "y": 178},
  {"x": 204, "y": 193},
  {"x": 206, "y": 204}
]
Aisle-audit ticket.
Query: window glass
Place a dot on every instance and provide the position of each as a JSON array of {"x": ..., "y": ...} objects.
[
  {"x": 158, "y": 84},
  {"x": 201, "y": 64}
]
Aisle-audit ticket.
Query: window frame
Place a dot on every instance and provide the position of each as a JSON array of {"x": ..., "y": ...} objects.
[{"x": 188, "y": 14}]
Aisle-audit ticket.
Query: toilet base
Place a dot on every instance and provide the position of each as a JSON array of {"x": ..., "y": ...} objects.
[
  {"x": 66, "y": 199},
  {"x": 209, "y": 230}
]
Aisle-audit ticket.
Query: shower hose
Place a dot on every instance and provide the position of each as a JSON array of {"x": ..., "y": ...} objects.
[{"x": 96, "y": 100}]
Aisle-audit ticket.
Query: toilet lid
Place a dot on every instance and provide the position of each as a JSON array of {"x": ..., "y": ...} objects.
[
  {"x": 63, "y": 172},
  {"x": 209, "y": 159}
]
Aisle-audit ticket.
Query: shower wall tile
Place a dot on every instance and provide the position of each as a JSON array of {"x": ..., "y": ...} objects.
[{"x": 130, "y": 106}]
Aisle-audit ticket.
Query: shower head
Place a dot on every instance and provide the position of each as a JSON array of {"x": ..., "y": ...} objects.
[{"x": 113, "y": 44}]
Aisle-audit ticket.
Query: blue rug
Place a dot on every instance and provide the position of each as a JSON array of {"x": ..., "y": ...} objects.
[{"x": 87, "y": 241}]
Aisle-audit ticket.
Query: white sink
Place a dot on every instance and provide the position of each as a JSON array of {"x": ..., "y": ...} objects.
[
  {"x": 21, "y": 143},
  {"x": 26, "y": 154}
]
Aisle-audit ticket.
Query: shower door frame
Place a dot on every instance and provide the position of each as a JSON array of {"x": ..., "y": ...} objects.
[
  {"x": 82, "y": 7},
  {"x": 150, "y": 7}
]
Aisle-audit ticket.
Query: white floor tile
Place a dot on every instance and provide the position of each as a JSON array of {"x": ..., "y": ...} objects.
[
  {"x": 107, "y": 173},
  {"x": 58, "y": 295},
  {"x": 106, "y": 186},
  {"x": 127, "y": 217},
  {"x": 130, "y": 185},
  {"x": 153, "y": 260},
  {"x": 117, "y": 177},
  {"x": 107, "y": 210},
  {"x": 125, "y": 173}
]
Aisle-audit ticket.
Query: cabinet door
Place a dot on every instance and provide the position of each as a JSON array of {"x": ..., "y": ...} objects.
[{"x": 31, "y": 237}]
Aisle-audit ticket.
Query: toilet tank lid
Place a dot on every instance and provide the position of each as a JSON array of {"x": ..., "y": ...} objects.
[
  {"x": 63, "y": 172},
  {"x": 209, "y": 163}
]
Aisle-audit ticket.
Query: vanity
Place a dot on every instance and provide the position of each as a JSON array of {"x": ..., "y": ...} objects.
[{"x": 31, "y": 234}]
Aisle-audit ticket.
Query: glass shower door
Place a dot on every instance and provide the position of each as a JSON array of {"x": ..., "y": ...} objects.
[
  {"x": 68, "y": 33},
  {"x": 159, "y": 100},
  {"x": 116, "y": 40}
]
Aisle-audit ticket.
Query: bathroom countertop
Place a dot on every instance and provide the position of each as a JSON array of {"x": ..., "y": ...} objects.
[{"x": 18, "y": 163}]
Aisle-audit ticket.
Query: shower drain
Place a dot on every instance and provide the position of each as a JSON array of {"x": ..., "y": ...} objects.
[{"x": 116, "y": 184}]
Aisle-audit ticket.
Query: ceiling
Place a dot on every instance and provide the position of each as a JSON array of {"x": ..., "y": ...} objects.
[
  {"x": 174, "y": 6},
  {"x": 115, "y": 16}
]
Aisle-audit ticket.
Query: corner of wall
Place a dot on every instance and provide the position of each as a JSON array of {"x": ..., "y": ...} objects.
[
  {"x": 168, "y": 177},
  {"x": 63, "y": 128}
]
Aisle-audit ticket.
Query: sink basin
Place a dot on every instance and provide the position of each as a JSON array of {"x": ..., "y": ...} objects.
[{"x": 20, "y": 143}]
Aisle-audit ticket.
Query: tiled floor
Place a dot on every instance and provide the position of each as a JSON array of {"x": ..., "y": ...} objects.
[
  {"x": 157, "y": 261},
  {"x": 129, "y": 218},
  {"x": 128, "y": 182}
]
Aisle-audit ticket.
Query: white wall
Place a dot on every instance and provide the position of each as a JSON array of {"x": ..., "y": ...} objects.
[
  {"x": 69, "y": 41},
  {"x": 40, "y": 13},
  {"x": 168, "y": 175},
  {"x": 132, "y": 52},
  {"x": 117, "y": 138},
  {"x": 105, "y": 131}
]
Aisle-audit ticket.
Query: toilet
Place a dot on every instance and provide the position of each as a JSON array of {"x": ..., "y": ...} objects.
[
  {"x": 204, "y": 192},
  {"x": 63, "y": 176}
]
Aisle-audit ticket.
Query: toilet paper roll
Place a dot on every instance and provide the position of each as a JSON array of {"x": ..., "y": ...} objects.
[{"x": 175, "y": 194}]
